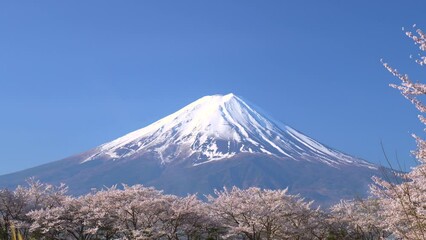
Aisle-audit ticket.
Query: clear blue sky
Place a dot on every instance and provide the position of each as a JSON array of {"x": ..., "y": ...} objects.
[{"x": 76, "y": 74}]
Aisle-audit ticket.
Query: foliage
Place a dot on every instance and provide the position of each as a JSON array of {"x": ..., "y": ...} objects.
[
  {"x": 404, "y": 204},
  {"x": 358, "y": 219},
  {"x": 266, "y": 214},
  {"x": 138, "y": 212},
  {"x": 14, "y": 205}
]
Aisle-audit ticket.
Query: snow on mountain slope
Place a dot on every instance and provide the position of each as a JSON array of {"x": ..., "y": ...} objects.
[{"x": 219, "y": 127}]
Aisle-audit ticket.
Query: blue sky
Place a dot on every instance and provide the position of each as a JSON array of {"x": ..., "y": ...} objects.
[{"x": 76, "y": 74}]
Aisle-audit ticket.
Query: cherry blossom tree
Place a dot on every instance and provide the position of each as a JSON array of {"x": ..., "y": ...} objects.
[
  {"x": 404, "y": 203},
  {"x": 187, "y": 218},
  {"x": 265, "y": 214},
  {"x": 131, "y": 213},
  {"x": 357, "y": 219},
  {"x": 14, "y": 205},
  {"x": 135, "y": 212}
]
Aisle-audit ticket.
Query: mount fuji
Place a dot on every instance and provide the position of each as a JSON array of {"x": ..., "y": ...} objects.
[{"x": 216, "y": 141}]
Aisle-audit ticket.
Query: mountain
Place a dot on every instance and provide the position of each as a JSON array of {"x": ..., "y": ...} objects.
[{"x": 216, "y": 141}]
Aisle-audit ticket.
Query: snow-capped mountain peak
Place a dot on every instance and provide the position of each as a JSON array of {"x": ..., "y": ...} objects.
[
  {"x": 219, "y": 127},
  {"x": 216, "y": 141}
]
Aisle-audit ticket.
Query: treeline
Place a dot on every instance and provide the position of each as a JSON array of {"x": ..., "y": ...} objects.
[{"x": 42, "y": 211}]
